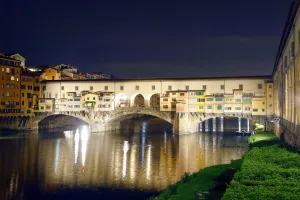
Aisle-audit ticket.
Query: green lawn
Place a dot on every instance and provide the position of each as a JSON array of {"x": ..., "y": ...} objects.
[
  {"x": 270, "y": 170},
  {"x": 198, "y": 182}
]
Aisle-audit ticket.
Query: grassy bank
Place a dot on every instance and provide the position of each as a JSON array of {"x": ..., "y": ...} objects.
[
  {"x": 198, "y": 184},
  {"x": 270, "y": 170}
]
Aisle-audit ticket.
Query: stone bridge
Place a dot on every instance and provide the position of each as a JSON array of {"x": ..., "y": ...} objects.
[{"x": 105, "y": 120}]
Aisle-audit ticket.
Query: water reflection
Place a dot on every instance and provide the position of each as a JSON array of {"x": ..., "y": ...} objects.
[{"x": 146, "y": 160}]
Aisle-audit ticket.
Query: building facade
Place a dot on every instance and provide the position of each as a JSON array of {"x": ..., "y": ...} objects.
[
  {"x": 286, "y": 77},
  {"x": 10, "y": 71},
  {"x": 236, "y": 95}
]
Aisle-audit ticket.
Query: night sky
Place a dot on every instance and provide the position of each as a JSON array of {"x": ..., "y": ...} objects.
[{"x": 146, "y": 38}]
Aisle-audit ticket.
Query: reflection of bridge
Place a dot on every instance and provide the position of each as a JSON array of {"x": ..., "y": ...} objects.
[{"x": 104, "y": 120}]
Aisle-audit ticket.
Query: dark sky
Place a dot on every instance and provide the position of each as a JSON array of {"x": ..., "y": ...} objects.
[{"x": 147, "y": 38}]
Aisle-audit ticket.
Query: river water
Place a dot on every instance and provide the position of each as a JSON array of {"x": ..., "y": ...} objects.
[{"x": 135, "y": 163}]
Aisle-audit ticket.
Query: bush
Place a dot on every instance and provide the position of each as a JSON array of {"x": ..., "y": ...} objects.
[{"x": 267, "y": 172}]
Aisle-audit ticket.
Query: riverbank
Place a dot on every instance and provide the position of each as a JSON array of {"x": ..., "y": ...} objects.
[
  {"x": 270, "y": 170},
  {"x": 198, "y": 185}
]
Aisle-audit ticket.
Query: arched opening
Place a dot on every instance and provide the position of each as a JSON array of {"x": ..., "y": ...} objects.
[
  {"x": 121, "y": 100},
  {"x": 226, "y": 124},
  {"x": 139, "y": 101},
  {"x": 155, "y": 101},
  {"x": 137, "y": 122},
  {"x": 60, "y": 121}
]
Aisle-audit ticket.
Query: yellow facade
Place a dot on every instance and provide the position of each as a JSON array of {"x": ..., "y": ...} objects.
[
  {"x": 270, "y": 99},
  {"x": 51, "y": 74},
  {"x": 10, "y": 86},
  {"x": 27, "y": 97},
  {"x": 200, "y": 95},
  {"x": 259, "y": 106},
  {"x": 168, "y": 102}
]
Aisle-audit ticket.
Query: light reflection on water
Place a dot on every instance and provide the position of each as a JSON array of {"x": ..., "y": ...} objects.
[{"x": 149, "y": 159}]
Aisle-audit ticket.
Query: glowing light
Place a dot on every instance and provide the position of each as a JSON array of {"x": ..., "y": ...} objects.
[
  {"x": 125, "y": 149},
  {"x": 144, "y": 127},
  {"x": 143, "y": 147},
  {"x": 148, "y": 168},
  {"x": 84, "y": 141},
  {"x": 68, "y": 134},
  {"x": 56, "y": 156},
  {"x": 76, "y": 140}
]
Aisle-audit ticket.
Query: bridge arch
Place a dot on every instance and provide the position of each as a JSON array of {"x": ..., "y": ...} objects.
[
  {"x": 60, "y": 120},
  {"x": 137, "y": 100},
  {"x": 121, "y": 100},
  {"x": 153, "y": 100}
]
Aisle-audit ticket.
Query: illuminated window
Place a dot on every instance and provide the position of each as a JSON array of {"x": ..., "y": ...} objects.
[{"x": 12, "y": 78}]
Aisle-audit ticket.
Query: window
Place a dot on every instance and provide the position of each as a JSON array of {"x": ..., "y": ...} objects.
[
  {"x": 165, "y": 106},
  {"x": 219, "y": 99},
  {"x": 263, "y": 110},
  {"x": 203, "y": 87},
  {"x": 22, "y": 94},
  {"x": 2, "y": 85},
  {"x": 173, "y": 106},
  {"x": 173, "y": 93},
  {"x": 170, "y": 87},
  {"x": 42, "y": 107},
  {"x": 49, "y": 95},
  {"x": 165, "y": 99},
  {"x": 187, "y": 87},
  {"x": 12, "y": 86},
  {"x": 153, "y": 87},
  {"x": 255, "y": 110},
  {"x": 200, "y": 100},
  {"x": 76, "y": 106},
  {"x": 270, "y": 86},
  {"x": 7, "y": 94},
  {"x": 7, "y": 85},
  {"x": 94, "y": 98},
  {"x": 238, "y": 100},
  {"x": 200, "y": 93},
  {"x": 76, "y": 88},
  {"x": 227, "y": 108},
  {"x": 12, "y": 78},
  {"x": 222, "y": 87},
  {"x": 88, "y": 98},
  {"x": 200, "y": 107},
  {"x": 56, "y": 95},
  {"x": 270, "y": 96},
  {"x": 137, "y": 87},
  {"x": 259, "y": 86},
  {"x": 285, "y": 61},
  {"x": 37, "y": 80},
  {"x": 247, "y": 108},
  {"x": 209, "y": 107},
  {"x": 238, "y": 108},
  {"x": 62, "y": 88},
  {"x": 219, "y": 107},
  {"x": 241, "y": 86},
  {"x": 23, "y": 87},
  {"x": 209, "y": 99},
  {"x": 270, "y": 105},
  {"x": 106, "y": 88},
  {"x": 181, "y": 94},
  {"x": 121, "y": 87},
  {"x": 263, "y": 103},
  {"x": 29, "y": 87},
  {"x": 7, "y": 70},
  {"x": 44, "y": 87}
]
